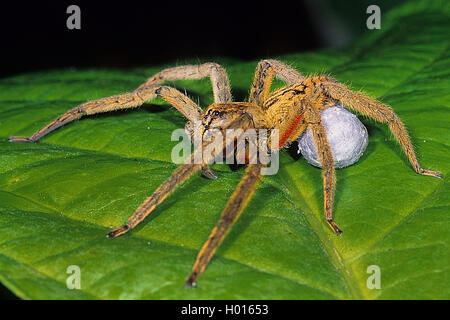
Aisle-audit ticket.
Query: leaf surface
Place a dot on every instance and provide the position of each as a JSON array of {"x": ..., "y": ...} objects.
[{"x": 59, "y": 197}]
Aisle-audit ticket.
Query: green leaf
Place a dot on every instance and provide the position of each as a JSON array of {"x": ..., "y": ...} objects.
[{"x": 59, "y": 197}]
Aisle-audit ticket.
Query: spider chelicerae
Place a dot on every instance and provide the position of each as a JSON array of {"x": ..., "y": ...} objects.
[{"x": 290, "y": 110}]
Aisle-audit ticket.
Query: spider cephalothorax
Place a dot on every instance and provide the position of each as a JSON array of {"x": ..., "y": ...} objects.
[{"x": 288, "y": 111}]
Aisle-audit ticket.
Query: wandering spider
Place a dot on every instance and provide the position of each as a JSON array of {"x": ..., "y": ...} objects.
[{"x": 291, "y": 110}]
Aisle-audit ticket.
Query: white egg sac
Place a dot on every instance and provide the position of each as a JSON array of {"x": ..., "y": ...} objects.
[{"x": 346, "y": 135}]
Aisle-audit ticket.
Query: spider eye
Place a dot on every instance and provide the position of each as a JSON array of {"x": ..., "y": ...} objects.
[{"x": 216, "y": 113}]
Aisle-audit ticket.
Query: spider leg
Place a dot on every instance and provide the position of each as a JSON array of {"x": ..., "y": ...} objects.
[
  {"x": 265, "y": 71},
  {"x": 124, "y": 101},
  {"x": 325, "y": 155},
  {"x": 187, "y": 107},
  {"x": 381, "y": 113},
  {"x": 217, "y": 74},
  {"x": 230, "y": 214},
  {"x": 219, "y": 81},
  {"x": 180, "y": 175}
]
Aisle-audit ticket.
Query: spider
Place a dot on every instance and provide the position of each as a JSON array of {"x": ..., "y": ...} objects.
[{"x": 291, "y": 110}]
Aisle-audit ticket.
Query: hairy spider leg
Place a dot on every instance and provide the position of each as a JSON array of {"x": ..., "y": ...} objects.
[
  {"x": 237, "y": 202},
  {"x": 180, "y": 175},
  {"x": 325, "y": 155},
  {"x": 219, "y": 81},
  {"x": 217, "y": 74},
  {"x": 381, "y": 113},
  {"x": 124, "y": 101},
  {"x": 239, "y": 199},
  {"x": 265, "y": 71},
  {"x": 148, "y": 91}
]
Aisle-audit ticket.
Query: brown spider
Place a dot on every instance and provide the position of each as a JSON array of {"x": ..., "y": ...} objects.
[{"x": 291, "y": 110}]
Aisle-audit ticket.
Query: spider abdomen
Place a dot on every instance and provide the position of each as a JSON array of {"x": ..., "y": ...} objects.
[{"x": 346, "y": 135}]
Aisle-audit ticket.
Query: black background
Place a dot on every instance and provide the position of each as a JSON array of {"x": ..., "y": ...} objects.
[
  {"x": 134, "y": 33},
  {"x": 131, "y": 33}
]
